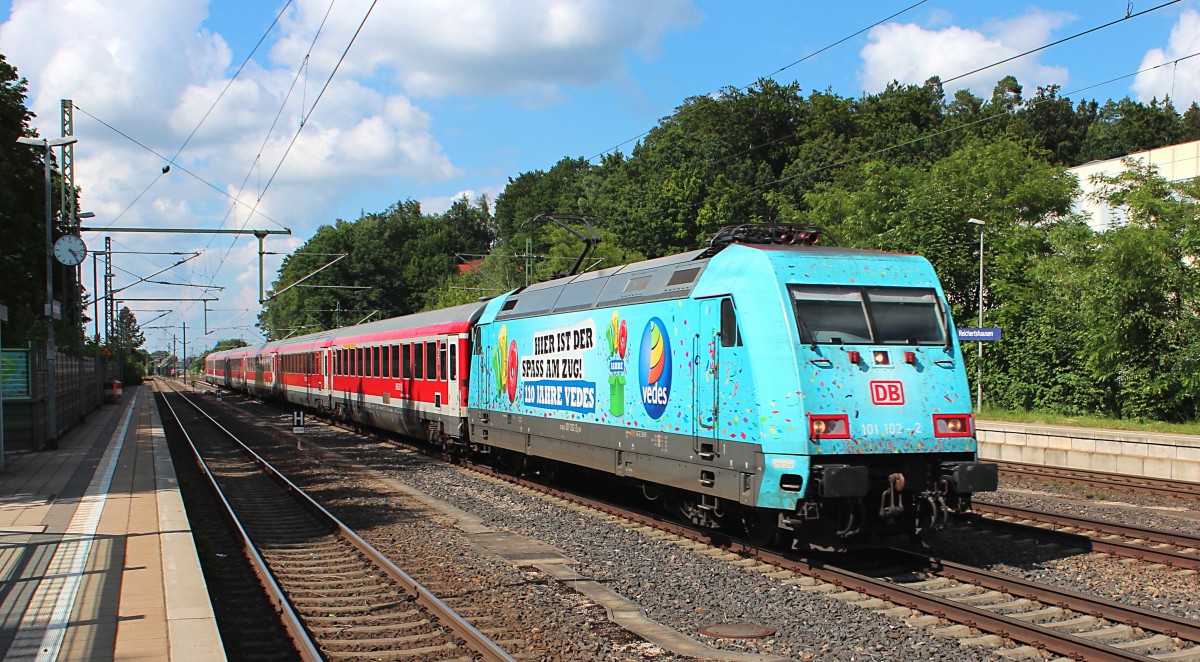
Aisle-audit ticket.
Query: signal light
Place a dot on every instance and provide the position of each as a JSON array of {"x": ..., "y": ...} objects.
[
  {"x": 828, "y": 426},
  {"x": 910, "y": 357},
  {"x": 881, "y": 357},
  {"x": 953, "y": 425},
  {"x": 855, "y": 356}
]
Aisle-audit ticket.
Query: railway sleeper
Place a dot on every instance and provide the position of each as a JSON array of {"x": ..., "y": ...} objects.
[
  {"x": 406, "y": 654},
  {"x": 356, "y": 621},
  {"x": 355, "y": 609},
  {"x": 383, "y": 643},
  {"x": 352, "y": 625}
]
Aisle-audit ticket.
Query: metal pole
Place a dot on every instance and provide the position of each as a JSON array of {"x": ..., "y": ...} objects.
[
  {"x": 185, "y": 363},
  {"x": 979, "y": 374},
  {"x": 95, "y": 299},
  {"x": 51, "y": 359},
  {"x": 261, "y": 292}
]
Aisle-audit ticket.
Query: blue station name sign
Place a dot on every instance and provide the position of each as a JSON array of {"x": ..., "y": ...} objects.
[{"x": 978, "y": 334}]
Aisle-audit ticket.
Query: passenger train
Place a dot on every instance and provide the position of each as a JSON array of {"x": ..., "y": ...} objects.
[{"x": 765, "y": 382}]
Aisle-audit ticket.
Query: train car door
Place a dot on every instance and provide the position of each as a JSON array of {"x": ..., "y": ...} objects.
[
  {"x": 715, "y": 341},
  {"x": 453, "y": 395},
  {"x": 325, "y": 382}
]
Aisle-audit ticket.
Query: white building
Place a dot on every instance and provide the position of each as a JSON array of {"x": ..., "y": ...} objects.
[{"x": 1174, "y": 163}]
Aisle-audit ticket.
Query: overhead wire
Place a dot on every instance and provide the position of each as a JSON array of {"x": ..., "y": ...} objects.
[
  {"x": 779, "y": 70},
  {"x": 270, "y": 131}
]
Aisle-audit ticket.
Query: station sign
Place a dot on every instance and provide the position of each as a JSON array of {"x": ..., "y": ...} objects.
[{"x": 977, "y": 334}]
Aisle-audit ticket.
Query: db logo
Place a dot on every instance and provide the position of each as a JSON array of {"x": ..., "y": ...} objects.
[{"x": 887, "y": 393}]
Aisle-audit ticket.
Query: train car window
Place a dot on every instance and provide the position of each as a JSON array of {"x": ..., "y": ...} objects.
[
  {"x": 442, "y": 374},
  {"x": 431, "y": 360},
  {"x": 908, "y": 316},
  {"x": 477, "y": 341},
  {"x": 375, "y": 361},
  {"x": 419, "y": 360},
  {"x": 831, "y": 314},
  {"x": 836, "y": 314},
  {"x": 406, "y": 361},
  {"x": 395, "y": 361},
  {"x": 359, "y": 365},
  {"x": 387, "y": 361},
  {"x": 730, "y": 337},
  {"x": 453, "y": 361}
]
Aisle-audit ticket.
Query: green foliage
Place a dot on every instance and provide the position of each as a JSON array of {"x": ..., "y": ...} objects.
[
  {"x": 126, "y": 339},
  {"x": 1093, "y": 323},
  {"x": 394, "y": 261},
  {"x": 197, "y": 364},
  {"x": 22, "y": 215}
]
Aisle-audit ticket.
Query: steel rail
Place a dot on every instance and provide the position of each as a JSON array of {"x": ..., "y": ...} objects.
[
  {"x": 1104, "y": 479},
  {"x": 291, "y": 620},
  {"x": 1114, "y": 611},
  {"x": 1026, "y": 633},
  {"x": 476, "y": 640},
  {"x": 1170, "y": 557},
  {"x": 1018, "y": 631}
]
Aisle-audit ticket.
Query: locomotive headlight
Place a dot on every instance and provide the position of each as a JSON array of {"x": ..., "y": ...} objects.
[
  {"x": 828, "y": 426},
  {"x": 952, "y": 425},
  {"x": 881, "y": 357}
]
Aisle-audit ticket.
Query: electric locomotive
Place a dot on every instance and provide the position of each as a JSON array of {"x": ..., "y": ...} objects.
[{"x": 763, "y": 382}]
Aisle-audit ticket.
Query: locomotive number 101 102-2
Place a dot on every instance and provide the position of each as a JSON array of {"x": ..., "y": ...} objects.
[{"x": 873, "y": 429}]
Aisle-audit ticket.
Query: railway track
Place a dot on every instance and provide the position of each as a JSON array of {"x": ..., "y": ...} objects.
[
  {"x": 1033, "y": 617},
  {"x": 339, "y": 598},
  {"x": 1169, "y": 548},
  {"x": 1026, "y": 619},
  {"x": 1137, "y": 484}
]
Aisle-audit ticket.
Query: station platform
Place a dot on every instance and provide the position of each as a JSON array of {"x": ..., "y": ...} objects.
[
  {"x": 1149, "y": 454},
  {"x": 97, "y": 560}
]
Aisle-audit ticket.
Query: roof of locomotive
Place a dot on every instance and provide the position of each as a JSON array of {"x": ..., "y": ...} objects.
[
  {"x": 671, "y": 277},
  {"x": 392, "y": 327}
]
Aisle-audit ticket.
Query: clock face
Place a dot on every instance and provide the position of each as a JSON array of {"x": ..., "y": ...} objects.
[{"x": 70, "y": 250}]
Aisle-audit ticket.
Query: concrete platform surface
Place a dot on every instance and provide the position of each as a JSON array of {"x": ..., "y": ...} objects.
[
  {"x": 97, "y": 560},
  {"x": 1151, "y": 454}
]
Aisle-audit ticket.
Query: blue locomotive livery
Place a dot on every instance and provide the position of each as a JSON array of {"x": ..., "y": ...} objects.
[
  {"x": 765, "y": 384},
  {"x": 782, "y": 387}
]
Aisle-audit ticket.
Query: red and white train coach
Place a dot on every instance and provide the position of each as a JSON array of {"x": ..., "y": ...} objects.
[{"x": 407, "y": 374}]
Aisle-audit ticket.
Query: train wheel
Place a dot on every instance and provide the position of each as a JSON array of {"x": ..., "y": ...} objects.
[
  {"x": 761, "y": 526},
  {"x": 513, "y": 463}
]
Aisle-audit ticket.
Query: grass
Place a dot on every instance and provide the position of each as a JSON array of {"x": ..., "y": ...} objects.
[{"x": 1048, "y": 418}]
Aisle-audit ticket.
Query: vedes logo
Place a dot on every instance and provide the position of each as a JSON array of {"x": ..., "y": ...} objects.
[{"x": 654, "y": 368}]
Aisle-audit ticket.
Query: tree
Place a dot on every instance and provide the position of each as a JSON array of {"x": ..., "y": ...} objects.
[
  {"x": 22, "y": 261},
  {"x": 222, "y": 345},
  {"x": 127, "y": 338}
]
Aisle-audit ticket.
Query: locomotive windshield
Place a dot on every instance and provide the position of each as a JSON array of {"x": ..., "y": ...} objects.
[{"x": 840, "y": 314}]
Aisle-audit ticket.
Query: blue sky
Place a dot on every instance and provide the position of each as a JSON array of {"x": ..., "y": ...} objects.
[{"x": 438, "y": 100}]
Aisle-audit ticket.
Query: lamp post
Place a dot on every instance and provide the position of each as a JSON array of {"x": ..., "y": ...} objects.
[
  {"x": 979, "y": 375},
  {"x": 51, "y": 360}
]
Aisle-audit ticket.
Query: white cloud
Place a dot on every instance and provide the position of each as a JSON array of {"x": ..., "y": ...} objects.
[
  {"x": 1181, "y": 82},
  {"x": 439, "y": 204},
  {"x": 485, "y": 47},
  {"x": 152, "y": 69},
  {"x": 910, "y": 53}
]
